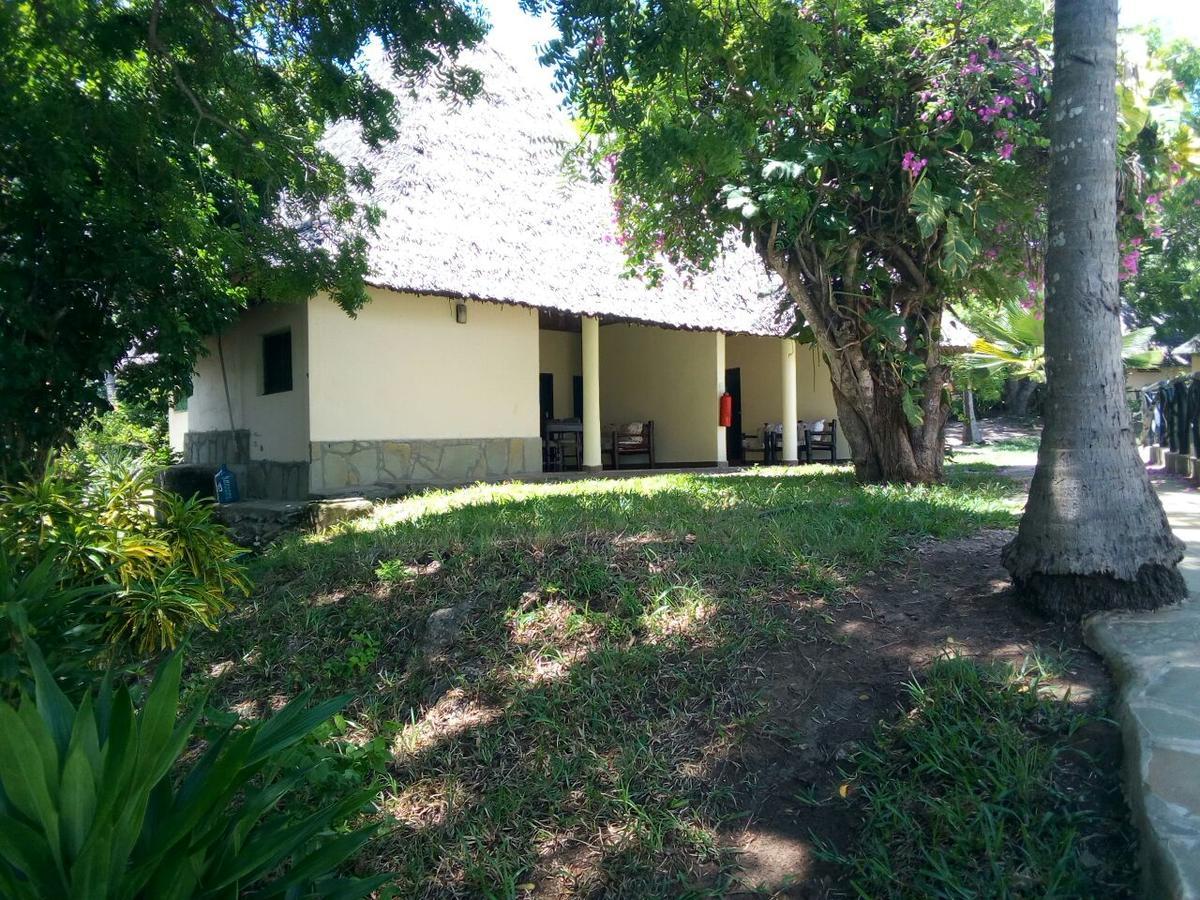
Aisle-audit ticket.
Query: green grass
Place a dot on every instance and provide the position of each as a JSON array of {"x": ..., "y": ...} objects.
[
  {"x": 991, "y": 458},
  {"x": 577, "y": 728},
  {"x": 974, "y": 794}
]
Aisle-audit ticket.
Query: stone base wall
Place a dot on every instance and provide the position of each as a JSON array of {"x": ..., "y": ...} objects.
[
  {"x": 258, "y": 479},
  {"x": 337, "y": 465},
  {"x": 214, "y": 448},
  {"x": 266, "y": 479}
]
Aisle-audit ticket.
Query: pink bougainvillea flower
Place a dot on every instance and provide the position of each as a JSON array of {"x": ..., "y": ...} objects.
[
  {"x": 945, "y": 115},
  {"x": 1006, "y": 151},
  {"x": 1129, "y": 265},
  {"x": 912, "y": 164}
]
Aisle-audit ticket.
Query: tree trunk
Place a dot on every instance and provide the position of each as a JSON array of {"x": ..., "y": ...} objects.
[
  {"x": 1094, "y": 534},
  {"x": 885, "y": 444},
  {"x": 1018, "y": 392},
  {"x": 972, "y": 434}
]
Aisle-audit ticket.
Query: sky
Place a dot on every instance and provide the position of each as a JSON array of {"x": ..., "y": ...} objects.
[{"x": 1176, "y": 18}]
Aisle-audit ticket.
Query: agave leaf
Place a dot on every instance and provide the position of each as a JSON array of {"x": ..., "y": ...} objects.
[
  {"x": 291, "y": 724},
  {"x": 349, "y": 888},
  {"x": 26, "y": 849},
  {"x": 23, "y": 769},
  {"x": 77, "y": 800},
  {"x": 52, "y": 703},
  {"x": 325, "y": 858}
]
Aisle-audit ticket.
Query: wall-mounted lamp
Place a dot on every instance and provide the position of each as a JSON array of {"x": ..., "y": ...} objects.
[{"x": 460, "y": 313}]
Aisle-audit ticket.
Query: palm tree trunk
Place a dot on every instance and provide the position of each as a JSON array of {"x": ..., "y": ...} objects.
[
  {"x": 1018, "y": 392},
  {"x": 972, "y": 434},
  {"x": 1094, "y": 534}
]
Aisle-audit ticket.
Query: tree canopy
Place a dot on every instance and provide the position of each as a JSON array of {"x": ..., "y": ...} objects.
[
  {"x": 881, "y": 155},
  {"x": 160, "y": 170},
  {"x": 1161, "y": 252}
]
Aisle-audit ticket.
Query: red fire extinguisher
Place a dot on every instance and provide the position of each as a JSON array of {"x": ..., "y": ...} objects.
[{"x": 725, "y": 411}]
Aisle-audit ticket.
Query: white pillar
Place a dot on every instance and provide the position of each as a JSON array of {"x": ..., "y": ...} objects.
[
  {"x": 791, "y": 438},
  {"x": 591, "y": 394},
  {"x": 722, "y": 456}
]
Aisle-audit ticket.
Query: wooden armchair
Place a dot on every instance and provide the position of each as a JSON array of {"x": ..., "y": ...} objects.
[
  {"x": 823, "y": 441},
  {"x": 633, "y": 439}
]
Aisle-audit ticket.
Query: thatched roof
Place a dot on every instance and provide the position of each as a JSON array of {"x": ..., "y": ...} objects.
[{"x": 477, "y": 203}]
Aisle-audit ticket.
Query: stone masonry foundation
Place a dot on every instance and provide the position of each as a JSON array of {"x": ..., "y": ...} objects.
[{"x": 338, "y": 465}]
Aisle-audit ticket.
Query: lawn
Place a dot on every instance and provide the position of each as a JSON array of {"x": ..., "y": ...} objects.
[{"x": 573, "y": 689}]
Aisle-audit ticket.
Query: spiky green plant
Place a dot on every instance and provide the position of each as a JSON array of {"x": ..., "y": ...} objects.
[{"x": 96, "y": 802}]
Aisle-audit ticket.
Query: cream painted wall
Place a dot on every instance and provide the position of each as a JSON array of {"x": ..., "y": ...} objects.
[
  {"x": 1139, "y": 379},
  {"x": 762, "y": 389},
  {"x": 404, "y": 369},
  {"x": 668, "y": 376},
  {"x": 177, "y": 425},
  {"x": 278, "y": 423},
  {"x": 561, "y": 354}
]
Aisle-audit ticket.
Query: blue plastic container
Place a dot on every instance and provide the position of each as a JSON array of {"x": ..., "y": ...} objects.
[{"x": 226, "y": 485}]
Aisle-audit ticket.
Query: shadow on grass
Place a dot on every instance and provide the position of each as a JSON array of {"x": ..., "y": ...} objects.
[{"x": 587, "y": 725}]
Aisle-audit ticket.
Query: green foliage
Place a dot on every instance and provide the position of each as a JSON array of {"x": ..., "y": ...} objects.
[
  {"x": 882, "y": 141},
  {"x": 119, "y": 436},
  {"x": 1160, "y": 225},
  {"x": 98, "y": 801},
  {"x": 1012, "y": 341},
  {"x": 964, "y": 795},
  {"x": 161, "y": 171},
  {"x": 102, "y": 560}
]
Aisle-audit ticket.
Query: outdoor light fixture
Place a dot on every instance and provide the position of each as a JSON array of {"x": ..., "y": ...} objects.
[{"x": 460, "y": 313}]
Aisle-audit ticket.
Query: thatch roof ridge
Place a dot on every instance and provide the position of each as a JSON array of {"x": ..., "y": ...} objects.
[{"x": 477, "y": 203}]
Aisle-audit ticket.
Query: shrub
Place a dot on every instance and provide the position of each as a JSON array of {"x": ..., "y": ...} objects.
[
  {"x": 121, "y": 434},
  {"x": 103, "y": 560},
  {"x": 91, "y": 805}
]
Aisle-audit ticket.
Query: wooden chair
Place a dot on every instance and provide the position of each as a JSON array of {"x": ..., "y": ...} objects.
[
  {"x": 754, "y": 443},
  {"x": 633, "y": 439},
  {"x": 823, "y": 441}
]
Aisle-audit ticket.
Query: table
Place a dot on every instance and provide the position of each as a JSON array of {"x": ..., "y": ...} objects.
[{"x": 567, "y": 433}]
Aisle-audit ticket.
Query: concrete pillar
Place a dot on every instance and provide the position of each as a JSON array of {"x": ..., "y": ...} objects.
[
  {"x": 791, "y": 438},
  {"x": 591, "y": 394},
  {"x": 722, "y": 455}
]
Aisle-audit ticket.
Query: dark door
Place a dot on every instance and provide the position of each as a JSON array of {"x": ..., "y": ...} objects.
[
  {"x": 546, "y": 395},
  {"x": 577, "y": 396},
  {"x": 733, "y": 434}
]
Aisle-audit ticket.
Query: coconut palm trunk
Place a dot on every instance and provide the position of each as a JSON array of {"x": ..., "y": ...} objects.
[{"x": 1094, "y": 534}]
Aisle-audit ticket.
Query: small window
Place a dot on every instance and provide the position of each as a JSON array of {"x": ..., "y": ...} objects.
[{"x": 277, "y": 362}]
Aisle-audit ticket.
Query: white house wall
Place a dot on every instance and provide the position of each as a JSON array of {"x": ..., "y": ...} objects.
[
  {"x": 762, "y": 387},
  {"x": 561, "y": 355},
  {"x": 277, "y": 423},
  {"x": 668, "y": 376},
  {"x": 403, "y": 393}
]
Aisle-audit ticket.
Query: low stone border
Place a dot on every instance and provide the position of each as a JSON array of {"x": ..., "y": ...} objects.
[{"x": 1155, "y": 658}]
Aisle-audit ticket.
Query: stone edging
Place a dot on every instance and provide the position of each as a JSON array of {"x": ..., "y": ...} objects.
[{"x": 1155, "y": 660}]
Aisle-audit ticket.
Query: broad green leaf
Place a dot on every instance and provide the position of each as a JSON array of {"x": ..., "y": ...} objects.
[
  {"x": 23, "y": 774},
  {"x": 77, "y": 800}
]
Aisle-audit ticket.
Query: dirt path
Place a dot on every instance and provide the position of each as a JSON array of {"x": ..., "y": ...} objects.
[{"x": 825, "y": 698}]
